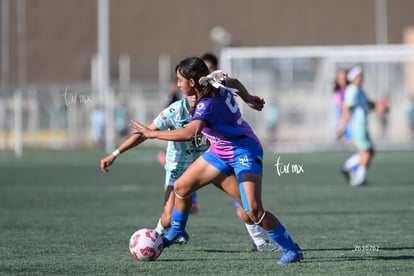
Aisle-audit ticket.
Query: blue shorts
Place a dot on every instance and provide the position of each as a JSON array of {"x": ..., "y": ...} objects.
[{"x": 243, "y": 162}]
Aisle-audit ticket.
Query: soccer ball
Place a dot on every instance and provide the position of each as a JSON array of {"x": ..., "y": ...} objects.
[{"x": 146, "y": 245}]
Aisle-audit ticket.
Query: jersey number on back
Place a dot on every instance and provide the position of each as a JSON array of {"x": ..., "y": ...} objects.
[{"x": 233, "y": 108}]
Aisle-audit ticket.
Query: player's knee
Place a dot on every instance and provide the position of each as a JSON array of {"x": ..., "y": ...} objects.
[{"x": 181, "y": 191}]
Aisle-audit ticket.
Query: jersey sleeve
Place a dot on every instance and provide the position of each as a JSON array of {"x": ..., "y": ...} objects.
[
  {"x": 350, "y": 97},
  {"x": 165, "y": 120},
  {"x": 204, "y": 112}
]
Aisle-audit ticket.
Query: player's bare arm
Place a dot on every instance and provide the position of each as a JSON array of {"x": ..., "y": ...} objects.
[
  {"x": 134, "y": 140},
  {"x": 254, "y": 102},
  {"x": 183, "y": 134}
]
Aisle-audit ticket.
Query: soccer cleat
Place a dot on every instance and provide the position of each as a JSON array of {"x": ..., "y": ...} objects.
[
  {"x": 266, "y": 247},
  {"x": 354, "y": 183},
  {"x": 291, "y": 256},
  {"x": 180, "y": 239}
]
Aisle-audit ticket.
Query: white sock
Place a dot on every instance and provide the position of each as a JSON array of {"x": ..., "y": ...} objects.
[
  {"x": 256, "y": 233},
  {"x": 360, "y": 176},
  {"x": 351, "y": 162},
  {"x": 159, "y": 229}
]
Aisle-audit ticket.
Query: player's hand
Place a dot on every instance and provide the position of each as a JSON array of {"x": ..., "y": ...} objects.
[
  {"x": 255, "y": 102},
  {"x": 106, "y": 162},
  {"x": 141, "y": 129}
]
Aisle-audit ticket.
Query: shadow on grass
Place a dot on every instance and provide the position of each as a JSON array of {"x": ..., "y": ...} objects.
[
  {"x": 238, "y": 255},
  {"x": 353, "y": 249},
  {"x": 358, "y": 258},
  {"x": 347, "y": 212},
  {"x": 359, "y": 255}
]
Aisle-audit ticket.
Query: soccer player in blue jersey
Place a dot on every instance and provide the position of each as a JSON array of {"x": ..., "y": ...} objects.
[
  {"x": 211, "y": 62},
  {"x": 179, "y": 156},
  {"x": 234, "y": 148},
  {"x": 355, "y": 112}
]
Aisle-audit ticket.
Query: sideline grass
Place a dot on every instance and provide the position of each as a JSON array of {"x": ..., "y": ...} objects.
[{"x": 61, "y": 216}]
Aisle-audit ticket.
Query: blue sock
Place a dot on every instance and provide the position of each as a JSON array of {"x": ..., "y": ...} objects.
[
  {"x": 236, "y": 204},
  {"x": 178, "y": 223},
  {"x": 194, "y": 198},
  {"x": 280, "y": 235}
]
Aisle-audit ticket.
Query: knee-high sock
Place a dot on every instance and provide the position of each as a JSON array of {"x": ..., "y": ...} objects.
[
  {"x": 360, "y": 175},
  {"x": 256, "y": 233},
  {"x": 351, "y": 162},
  {"x": 280, "y": 235},
  {"x": 159, "y": 229},
  {"x": 178, "y": 223}
]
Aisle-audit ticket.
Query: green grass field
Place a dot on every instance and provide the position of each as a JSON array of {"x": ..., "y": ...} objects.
[{"x": 59, "y": 215}]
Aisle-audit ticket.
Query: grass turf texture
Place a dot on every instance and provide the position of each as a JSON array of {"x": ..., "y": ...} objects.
[{"x": 61, "y": 215}]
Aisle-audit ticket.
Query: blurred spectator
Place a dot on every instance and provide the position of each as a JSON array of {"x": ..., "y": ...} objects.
[
  {"x": 381, "y": 106},
  {"x": 211, "y": 61},
  {"x": 339, "y": 90},
  {"x": 271, "y": 119},
  {"x": 173, "y": 94},
  {"x": 121, "y": 121},
  {"x": 409, "y": 109},
  {"x": 97, "y": 121}
]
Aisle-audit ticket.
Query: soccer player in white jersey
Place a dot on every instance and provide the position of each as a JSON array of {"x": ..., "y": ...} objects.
[
  {"x": 179, "y": 157},
  {"x": 355, "y": 112}
]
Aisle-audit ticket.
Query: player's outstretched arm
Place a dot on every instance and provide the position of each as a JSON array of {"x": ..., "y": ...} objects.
[
  {"x": 134, "y": 140},
  {"x": 183, "y": 134},
  {"x": 254, "y": 102}
]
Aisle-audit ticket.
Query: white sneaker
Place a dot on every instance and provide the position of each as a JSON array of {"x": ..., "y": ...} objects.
[
  {"x": 354, "y": 182},
  {"x": 266, "y": 247}
]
